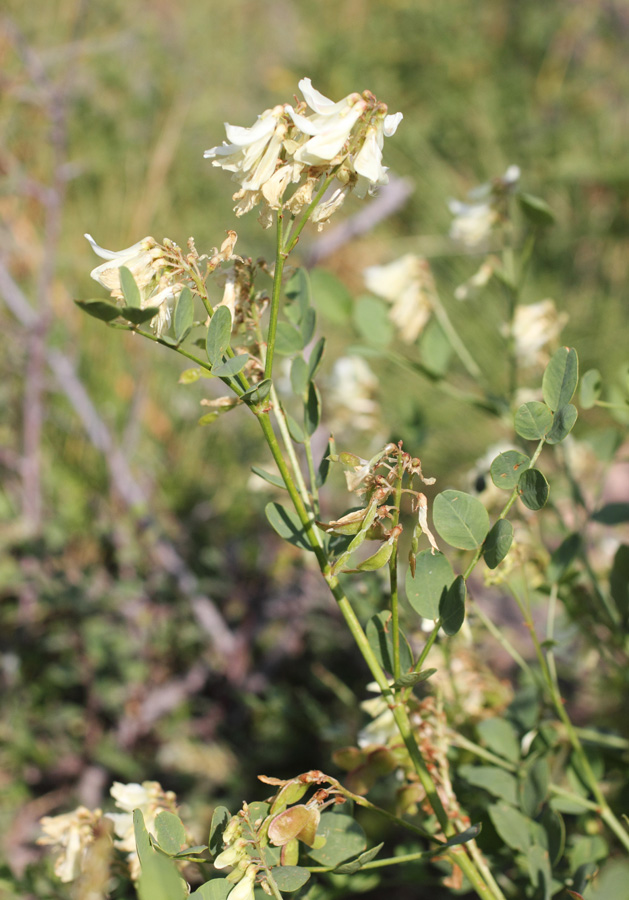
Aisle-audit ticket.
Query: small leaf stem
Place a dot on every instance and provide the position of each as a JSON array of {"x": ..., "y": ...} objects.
[{"x": 292, "y": 239}]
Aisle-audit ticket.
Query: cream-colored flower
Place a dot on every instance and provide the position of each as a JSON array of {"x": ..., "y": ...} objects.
[
  {"x": 408, "y": 284},
  {"x": 472, "y": 223},
  {"x": 244, "y": 888},
  {"x": 351, "y": 398},
  {"x": 320, "y": 135},
  {"x": 479, "y": 279},
  {"x": 71, "y": 834},
  {"x": 536, "y": 329},
  {"x": 145, "y": 260},
  {"x": 151, "y": 799}
]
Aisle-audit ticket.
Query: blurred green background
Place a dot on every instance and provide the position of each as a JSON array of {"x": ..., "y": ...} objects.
[{"x": 151, "y": 626}]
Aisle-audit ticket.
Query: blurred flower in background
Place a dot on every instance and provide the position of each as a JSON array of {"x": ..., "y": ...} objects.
[
  {"x": 408, "y": 284},
  {"x": 536, "y": 328}
]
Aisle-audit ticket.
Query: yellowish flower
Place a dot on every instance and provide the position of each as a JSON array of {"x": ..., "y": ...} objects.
[
  {"x": 407, "y": 283},
  {"x": 151, "y": 799},
  {"x": 71, "y": 834}
]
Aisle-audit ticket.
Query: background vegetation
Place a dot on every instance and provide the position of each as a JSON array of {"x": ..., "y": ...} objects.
[{"x": 151, "y": 625}]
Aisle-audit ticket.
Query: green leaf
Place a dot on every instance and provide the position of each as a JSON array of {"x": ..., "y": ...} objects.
[
  {"x": 142, "y": 842},
  {"x": 413, "y": 678},
  {"x": 511, "y": 826},
  {"x": 307, "y": 326},
  {"x": 218, "y": 335},
  {"x": 563, "y": 557},
  {"x": 433, "y": 576},
  {"x": 295, "y": 430},
  {"x": 216, "y": 889},
  {"x": 349, "y": 868},
  {"x": 290, "y": 878},
  {"x": 560, "y": 378},
  {"x": 231, "y": 366},
  {"x": 452, "y": 606},
  {"x": 538, "y": 862},
  {"x": 160, "y": 879},
  {"x": 130, "y": 290},
  {"x": 100, "y": 309},
  {"x": 315, "y": 358},
  {"x": 563, "y": 423},
  {"x": 612, "y": 514},
  {"x": 288, "y": 340},
  {"x": 587, "y": 849},
  {"x": 258, "y": 393},
  {"x": 312, "y": 410},
  {"x": 499, "y": 736},
  {"x": 555, "y": 829},
  {"x": 331, "y": 297},
  {"x": 506, "y": 469},
  {"x": 344, "y": 839},
  {"x": 324, "y": 466},
  {"x": 170, "y": 832},
  {"x": 461, "y": 838},
  {"x": 299, "y": 376},
  {"x": 138, "y": 316},
  {"x": 298, "y": 291},
  {"x": 619, "y": 583},
  {"x": 435, "y": 349},
  {"x": 533, "y": 420},
  {"x": 460, "y": 519},
  {"x": 286, "y": 523},
  {"x": 590, "y": 388},
  {"x": 371, "y": 318},
  {"x": 534, "y": 787},
  {"x": 533, "y": 489},
  {"x": 220, "y": 818},
  {"x": 536, "y": 210},
  {"x": 184, "y": 314},
  {"x": 267, "y": 476},
  {"x": 495, "y": 781},
  {"x": 498, "y": 543},
  {"x": 380, "y": 636}
]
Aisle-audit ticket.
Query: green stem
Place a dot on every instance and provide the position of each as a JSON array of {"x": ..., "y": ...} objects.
[
  {"x": 294, "y": 237},
  {"x": 280, "y": 258},
  {"x": 456, "y": 342},
  {"x": 393, "y": 573}
]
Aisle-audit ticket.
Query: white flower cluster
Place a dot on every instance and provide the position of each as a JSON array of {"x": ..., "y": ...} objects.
[
  {"x": 72, "y": 833},
  {"x": 317, "y": 138},
  {"x": 151, "y": 273}
]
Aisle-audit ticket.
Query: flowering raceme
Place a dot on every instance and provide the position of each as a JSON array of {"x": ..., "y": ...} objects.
[{"x": 317, "y": 139}]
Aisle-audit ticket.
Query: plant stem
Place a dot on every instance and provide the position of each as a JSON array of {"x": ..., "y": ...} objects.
[
  {"x": 280, "y": 258},
  {"x": 456, "y": 342},
  {"x": 393, "y": 574}
]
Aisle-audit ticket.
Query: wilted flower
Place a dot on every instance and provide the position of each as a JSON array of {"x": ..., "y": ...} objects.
[
  {"x": 408, "y": 284},
  {"x": 151, "y": 799},
  {"x": 152, "y": 274},
  {"x": 70, "y": 833},
  {"x": 536, "y": 328}
]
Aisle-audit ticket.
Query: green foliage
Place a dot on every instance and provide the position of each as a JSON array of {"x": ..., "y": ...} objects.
[{"x": 460, "y": 519}]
